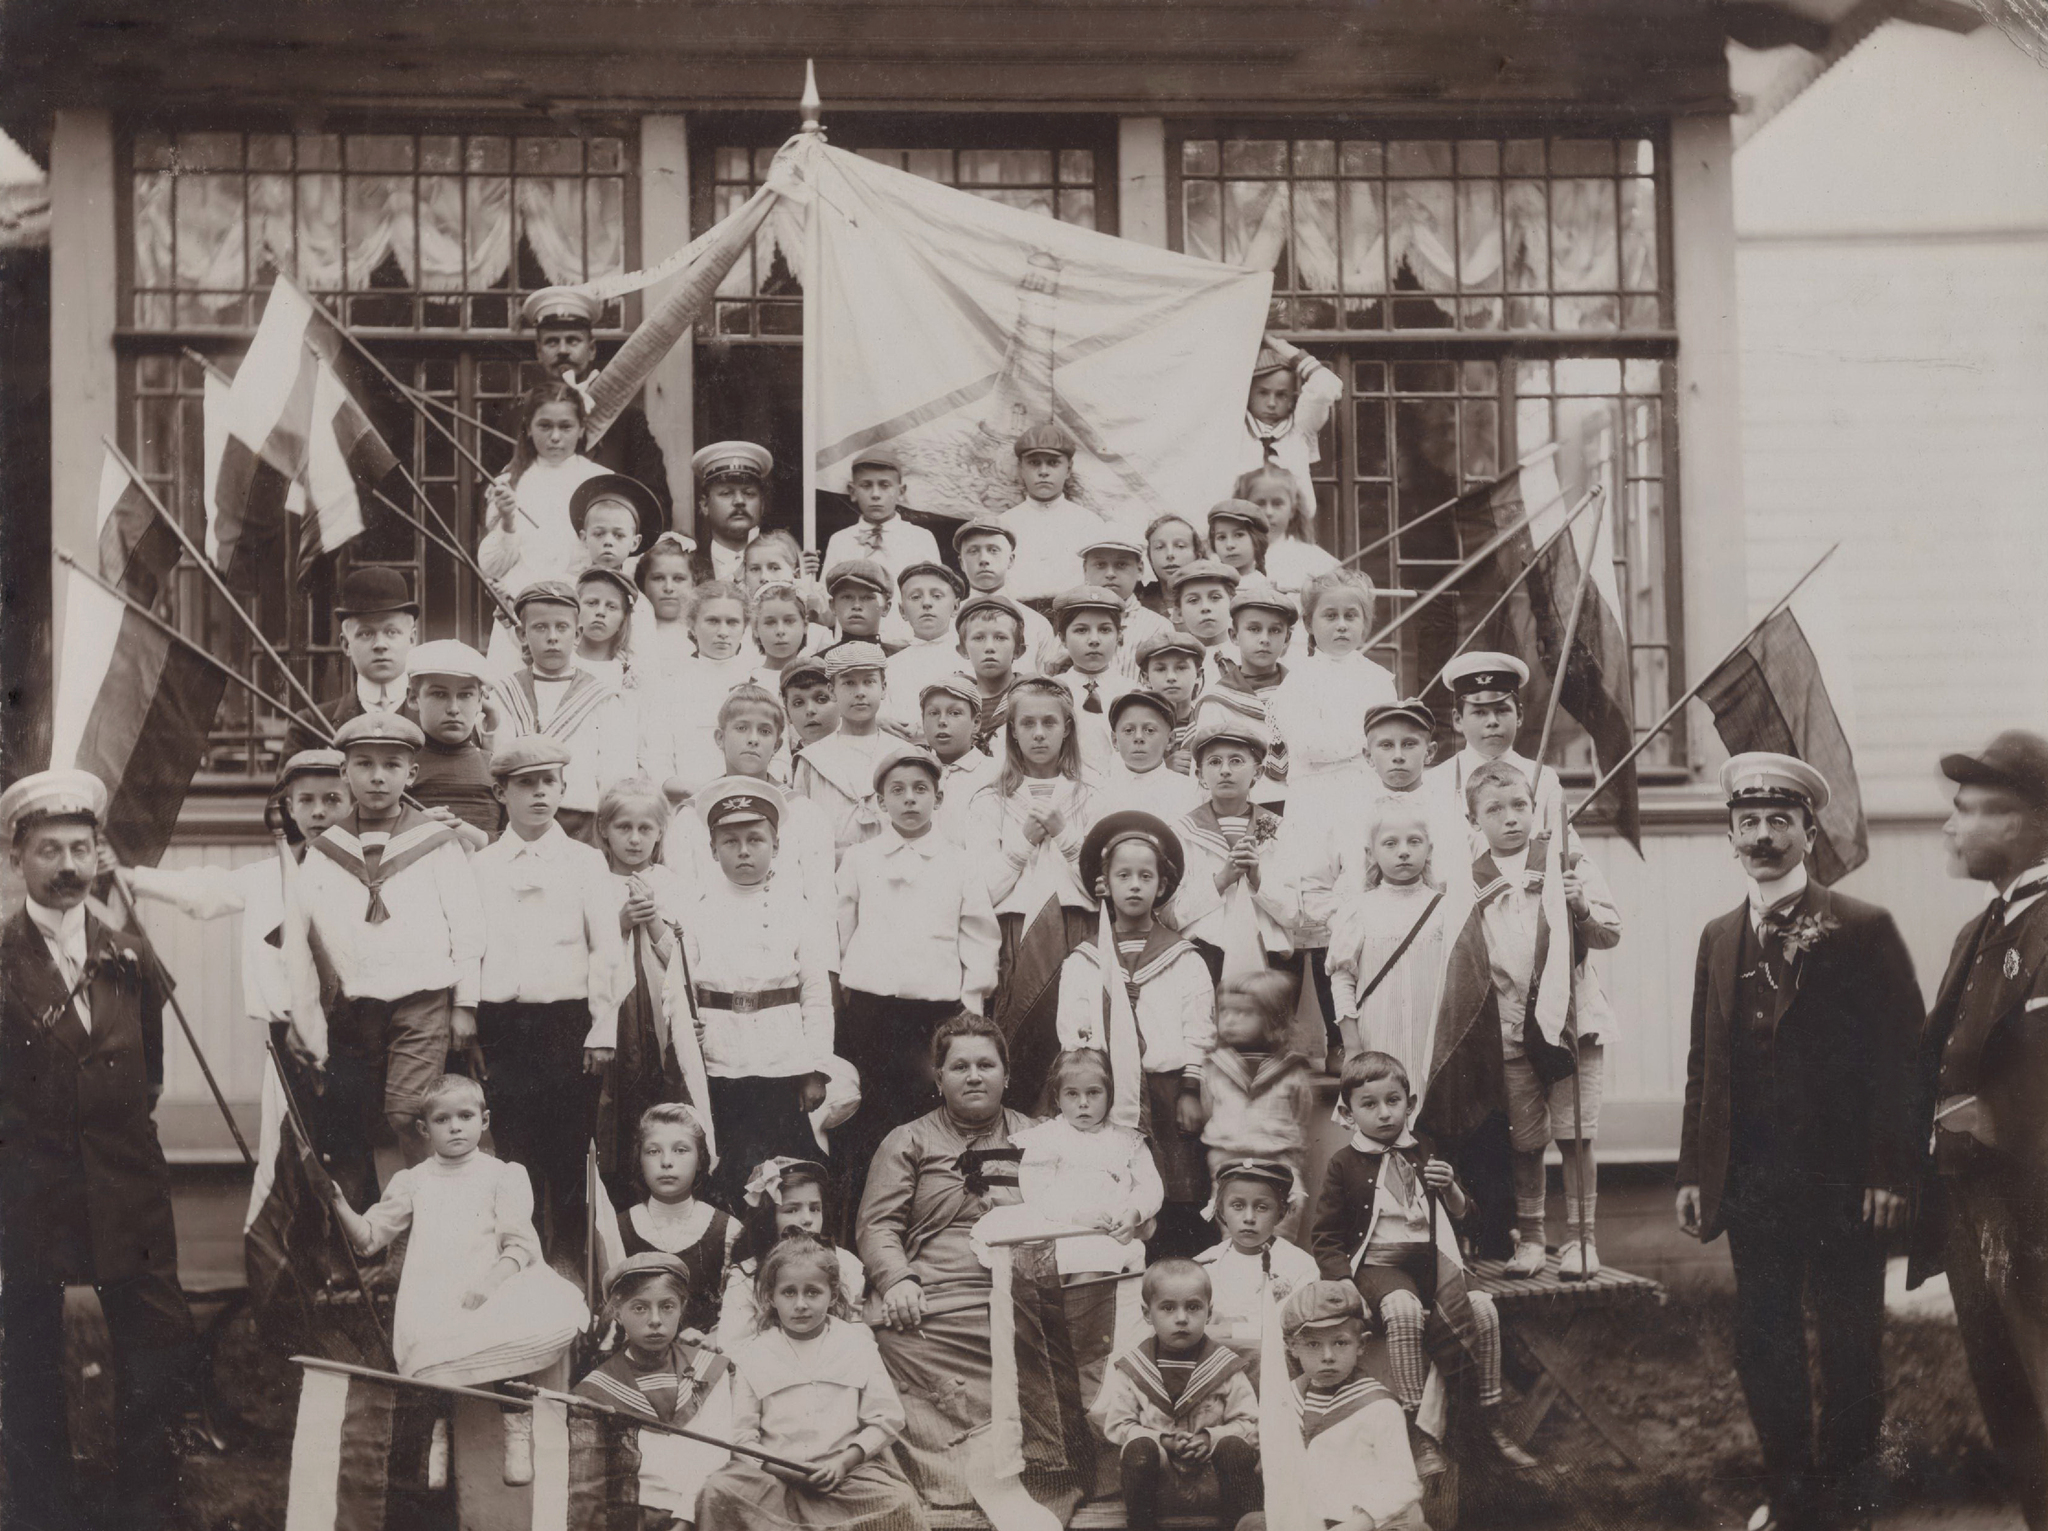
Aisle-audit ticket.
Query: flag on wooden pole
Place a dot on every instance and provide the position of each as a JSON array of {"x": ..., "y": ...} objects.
[
  {"x": 131, "y": 706},
  {"x": 359, "y": 1455},
  {"x": 1770, "y": 695}
]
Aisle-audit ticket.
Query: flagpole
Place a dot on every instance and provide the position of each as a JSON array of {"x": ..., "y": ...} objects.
[
  {"x": 282, "y": 709},
  {"x": 1494, "y": 544},
  {"x": 298, "y": 1120},
  {"x": 1700, "y": 685},
  {"x": 592, "y": 1406},
  {"x": 1494, "y": 610},
  {"x": 1548, "y": 449},
  {"x": 162, "y": 975},
  {"x": 454, "y": 549},
  {"x": 213, "y": 576},
  {"x": 812, "y": 108}
]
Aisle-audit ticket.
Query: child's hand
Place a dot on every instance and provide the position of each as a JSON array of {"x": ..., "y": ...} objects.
[
  {"x": 1038, "y": 827},
  {"x": 1053, "y": 821},
  {"x": 1575, "y": 893},
  {"x": 1197, "y": 1446},
  {"x": 1126, "y": 1227},
  {"x": 811, "y": 1093},
  {"x": 1244, "y": 859},
  {"x": 639, "y": 903},
  {"x": 503, "y": 505},
  {"x": 597, "y": 1059},
  {"x": 473, "y": 1299},
  {"x": 810, "y": 561},
  {"x": 1437, "y": 1175},
  {"x": 833, "y": 1473},
  {"x": 1187, "y": 1113},
  {"x": 691, "y": 1336}
]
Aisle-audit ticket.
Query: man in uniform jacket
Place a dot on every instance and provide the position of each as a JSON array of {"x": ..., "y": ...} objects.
[
  {"x": 85, "y": 1195},
  {"x": 1982, "y": 1207},
  {"x": 1798, "y": 1141},
  {"x": 564, "y": 322}
]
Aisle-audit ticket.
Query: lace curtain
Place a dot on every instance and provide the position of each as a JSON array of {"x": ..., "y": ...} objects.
[{"x": 445, "y": 233}]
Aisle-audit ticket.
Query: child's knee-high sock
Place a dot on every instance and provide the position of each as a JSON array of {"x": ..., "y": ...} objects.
[
  {"x": 1486, "y": 1335},
  {"x": 1529, "y": 1192},
  {"x": 1407, "y": 1362},
  {"x": 1581, "y": 1184}
]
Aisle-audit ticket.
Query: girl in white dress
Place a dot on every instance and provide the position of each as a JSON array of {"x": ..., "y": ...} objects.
[
  {"x": 784, "y": 1197},
  {"x": 1399, "y": 1016},
  {"x": 1291, "y": 559},
  {"x": 661, "y": 622},
  {"x": 476, "y": 1303},
  {"x": 679, "y": 717},
  {"x": 531, "y": 535}
]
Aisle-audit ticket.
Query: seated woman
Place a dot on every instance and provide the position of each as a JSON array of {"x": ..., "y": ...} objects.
[{"x": 929, "y": 1293}]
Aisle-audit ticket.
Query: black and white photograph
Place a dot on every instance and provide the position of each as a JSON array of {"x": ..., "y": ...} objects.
[{"x": 1110, "y": 765}]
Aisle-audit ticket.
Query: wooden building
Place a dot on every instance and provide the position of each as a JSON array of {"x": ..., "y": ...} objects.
[{"x": 1501, "y": 224}]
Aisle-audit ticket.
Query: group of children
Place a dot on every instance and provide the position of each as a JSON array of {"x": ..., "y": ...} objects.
[{"x": 689, "y": 870}]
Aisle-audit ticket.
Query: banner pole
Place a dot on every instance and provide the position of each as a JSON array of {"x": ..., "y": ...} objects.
[{"x": 812, "y": 110}]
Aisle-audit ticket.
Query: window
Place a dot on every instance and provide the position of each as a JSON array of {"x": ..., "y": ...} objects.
[
  {"x": 436, "y": 233},
  {"x": 1479, "y": 297},
  {"x": 416, "y": 231}
]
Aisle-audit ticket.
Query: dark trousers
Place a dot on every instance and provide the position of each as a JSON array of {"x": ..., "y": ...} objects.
[
  {"x": 889, "y": 1043},
  {"x": 152, "y": 1341},
  {"x": 1143, "y": 1465},
  {"x": 543, "y": 1110},
  {"x": 756, "y": 1119},
  {"x": 1791, "y": 1240},
  {"x": 1998, "y": 1274},
  {"x": 381, "y": 1057}
]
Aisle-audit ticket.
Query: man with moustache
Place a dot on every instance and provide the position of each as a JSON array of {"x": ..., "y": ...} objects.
[
  {"x": 85, "y": 1195},
  {"x": 564, "y": 321},
  {"x": 1982, "y": 1207},
  {"x": 1798, "y": 1142}
]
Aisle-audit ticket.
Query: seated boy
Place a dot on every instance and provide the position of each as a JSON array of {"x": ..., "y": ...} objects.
[
  {"x": 446, "y": 683},
  {"x": 837, "y": 772},
  {"x": 1141, "y": 732},
  {"x": 950, "y": 708},
  {"x": 1114, "y": 560},
  {"x": 1172, "y": 667},
  {"x": 1177, "y": 1402},
  {"x": 1088, "y": 622},
  {"x": 875, "y": 485},
  {"x": 859, "y": 590},
  {"x": 986, "y": 548},
  {"x": 1251, "y": 1197},
  {"x": 550, "y": 695},
  {"x": 929, "y": 594},
  {"x": 1383, "y": 1223},
  {"x": 992, "y": 634}
]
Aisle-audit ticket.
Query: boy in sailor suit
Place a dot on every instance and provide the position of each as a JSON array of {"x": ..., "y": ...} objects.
[{"x": 837, "y": 772}]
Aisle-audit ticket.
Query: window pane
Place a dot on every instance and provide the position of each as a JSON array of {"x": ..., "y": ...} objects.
[
  {"x": 1364, "y": 236},
  {"x": 490, "y": 156},
  {"x": 729, "y": 164},
  {"x": 1078, "y": 208},
  {"x": 1198, "y": 157},
  {"x": 1480, "y": 431},
  {"x": 1363, "y": 158},
  {"x": 1479, "y": 157},
  {"x": 379, "y": 151},
  {"x": 1525, "y": 238},
  {"x": 1639, "y": 235},
  {"x": 270, "y": 151},
  {"x": 1372, "y": 440},
  {"x": 1315, "y": 238},
  {"x": 1581, "y": 156},
  {"x": 1588, "y": 374},
  {"x": 1004, "y": 167},
  {"x": 153, "y": 230},
  {"x": 1030, "y": 201},
  {"x": 932, "y": 164},
  {"x": 1420, "y": 234},
  {"x": 1425, "y": 377},
  {"x": 607, "y": 156},
  {"x": 1077, "y": 166},
  {"x": 1479, "y": 377},
  {"x": 1582, "y": 236},
  {"x": 1315, "y": 156},
  {"x": 1480, "y": 314},
  {"x": 210, "y": 233},
  {"x": 550, "y": 156},
  {"x": 319, "y": 232},
  {"x": 1583, "y": 314},
  {"x": 152, "y": 151},
  {"x": 1255, "y": 156},
  {"x": 1479, "y": 241},
  {"x": 209, "y": 151},
  {"x": 1247, "y": 208},
  {"x": 1418, "y": 157},
  {"x": 1202, "y": 219},
  {"x": 270, "y": 227},
  {"x": 1522, "y": 156}
]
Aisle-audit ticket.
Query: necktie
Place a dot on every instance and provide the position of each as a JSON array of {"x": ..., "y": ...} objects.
[
  {"x": 1094, "y": 702},
  {"x": 373, "y": 874},
  {"x": 871, "y": 537}
]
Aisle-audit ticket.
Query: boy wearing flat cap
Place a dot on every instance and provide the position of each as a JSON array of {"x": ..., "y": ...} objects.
[
  {"x": 1138, "y": 774},
  {"x": 731, "y": 501},
  {"x": 992, "y": 636},
  {"x": 550, "y": 694},
  {"x": 949, "y": 711},
  {"x": 838, "y": 771},
  {"x": 928, "y": 595},
  {"x": 552, "y": 977},
  {"x": 1290, "y": 399},
  {"x": 859, "y": 590},
  {"x": 875, "y": 485},
  {"x": 1088, "y": 621},
  {"x": 388, "y": 894},
  {"x": 1049, "y": 528},
  {"x": 762, "y": 971},
  {"x": 85, "y": 1195},
  {"x": 987, "y": 549},
  {"x": 1115, "y": 560},
  {"x": 1799, "y": 1139}
]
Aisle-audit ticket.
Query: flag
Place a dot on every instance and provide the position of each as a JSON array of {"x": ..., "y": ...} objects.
[
  {"x": 1598, "y": 679},
  {"x": 1027, "y": 1009},
  {"x": 132, "y": 706},
  {"x": 1770, "y": 695},
  {"x": 586, "y": 1470},
  {"x": 948, "y": 323},
  {"x": 289, "y": 419},
  {"x": 359, "y": 1455}
]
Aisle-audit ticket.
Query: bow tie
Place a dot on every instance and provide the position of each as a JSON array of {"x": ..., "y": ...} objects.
[{"x": 871, "y": 537}]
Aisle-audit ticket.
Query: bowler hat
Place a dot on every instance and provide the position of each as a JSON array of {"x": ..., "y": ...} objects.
[{"x": 373, "y": 588}]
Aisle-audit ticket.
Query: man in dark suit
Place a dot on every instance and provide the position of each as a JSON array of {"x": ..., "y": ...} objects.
[
  {"x": 379, "y": 624},
  {"x": 564, "y": 321},
  {"x": 1982, "y": 1207},
  {"x": 1798, "y": 1141},
  {"x": 85, "y": 1195}
]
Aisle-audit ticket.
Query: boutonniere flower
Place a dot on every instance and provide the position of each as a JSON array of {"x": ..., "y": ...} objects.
[
  {"x": 1805, "y": 933},
  {"x": 1265, "y": 828}
]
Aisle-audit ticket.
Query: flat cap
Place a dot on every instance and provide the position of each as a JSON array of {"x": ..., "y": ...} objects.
[
  {"x": 804, "y": 670},
  {"x": 961, "y": 686},
  {"x": 1113, "y": 829},
  {"x": 1140, "y": 697},
  {"x": 1206, "y": 568},
  {"x": 1257, "y": 593},
  {"x": 858, "y": 571},
  {"x": 911, "y": 755},
  {"x": 936, "y": 571},
  {"x": 741, "y": 800},
  {"x": 615, "y": 489},
  {"x": 1080, "y": 598},
  {"x": 447, "y": 656},
  {"x": 1112, "y": 540},
  {"x": 310, "y": 763},
  {"x": 527, "y": 752},
  {"x": 379, "y": 727},
  {"x": 561, "y": 305},
  {"x": 605, "y": 574},
  {"x": 1219, "y": 724},
  {"x": 1046, "y": 437},
  {"x": 60, "y": 794},
  {"x": 844, "y": 658},
  {"x": 649, "y": 1262},
  {"x": 987, "y": 600},
  {"x": 1169, "y": 643},
  {"x": 1761, "y": 776},
  {"x": 983, "y": 526},
  {"x": 1410, "y": 711},
  {"x": 1270, "y": 360},
  {"x": 1271, "y": 1171},
  {"x": 731, "y": 459},
  {"x": 1486, "y": 677},
  {"x": 559, "y": 592},
  {"x": 1319, "y": 1304},
  {"x": 1242, "y": 512},
  {"x": 881, "y": 455},
  {"x": 2016, "y": 760}
]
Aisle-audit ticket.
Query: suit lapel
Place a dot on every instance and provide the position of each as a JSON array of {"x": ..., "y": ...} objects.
[{"x": 43, "y": 994}]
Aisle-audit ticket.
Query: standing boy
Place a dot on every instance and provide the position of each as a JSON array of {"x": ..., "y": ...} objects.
[
  {"x": 987, "y": 549},
  {"x": 1050, "y": 529},
  {"x": 859, "y": 590},
  {"x": 550, "y": 695},
  {"x": 1486, "y": 709},
  {"x": 838, "y": 771},
  {"x": 447, "y": 682},
  {"x": 1088, "y": 621},
  {"x": 1290, "y": 400},
  {"x": 929, "y": 594},
  {"x": 1171, "y": 666},
  {"x": 949, "y": 709},
  {"x": 552, "y": 977},
  {"x": 389, "y": 895},
  {"x": 992, "y": 635},
  {"x": 1114, "y": 560},
  {"x": 731, "y": 501},
  {"x": 875, "y": 485},
  {"x": 1231, "y": 905},
  {"x": 1262, "y": 623},
  {"x": 1201, "y": 602},
  {"x": 806, "y": 685},
  {"x": 1138, "y": 776}
]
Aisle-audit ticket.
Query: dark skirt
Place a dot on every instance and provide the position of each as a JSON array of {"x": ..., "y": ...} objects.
[{"x": 640, "y": 1076}]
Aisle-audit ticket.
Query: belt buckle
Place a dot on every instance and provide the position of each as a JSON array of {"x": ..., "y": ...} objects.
[{"x": 744, "y": 1002}]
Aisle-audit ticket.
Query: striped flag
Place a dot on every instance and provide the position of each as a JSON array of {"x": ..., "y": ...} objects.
[
  {"x": 586, "y": 1470},
  {"x": 359, "y": 1456},
  {"x": 1770, "y": 695},
  {"x": 288, "y": 419},
  {"x": 131, "y": 706}
]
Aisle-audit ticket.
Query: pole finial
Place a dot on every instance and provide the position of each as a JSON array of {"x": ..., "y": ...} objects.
[{"x": 812, "y": 107}]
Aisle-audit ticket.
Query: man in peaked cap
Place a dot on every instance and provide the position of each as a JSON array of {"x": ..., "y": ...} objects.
[
  {"x": 85, "y": 1195},
  {"x": 1798, "y": 1140},
  {"x": 1981, "y": 1211},
  {"x": 564, "y": 321},
  {"x": 732, "y": 499},
  {"x": 1050, "y": 528},
  {"x": 379, "y": 621}
]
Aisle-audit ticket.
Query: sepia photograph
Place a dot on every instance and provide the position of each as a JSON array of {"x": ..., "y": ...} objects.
[{"x": 1102, "y": 765}]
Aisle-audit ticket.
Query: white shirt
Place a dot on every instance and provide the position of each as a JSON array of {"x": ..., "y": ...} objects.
[
  {"x": 962, "y": 779},
  {"x": 902, "y": 543},
  {"x": 64, "y": 934},
  {"x": 1236, "y": 1314},
  {"x": 1165, "y": 793},
  {"x": 746, "y": 940},
  {"x": 837, "y": 773},
  {"x": 909, "y": 670},
  {"x": 1076, "y": 1177},
  {"x": 1292, "y": 443},
  {"x": 1319, "y": 710},
  {"x": 1766, "y": 896},
  {"x": 729, "y": 564},
  {"x": 545, "y": 546},
  {"x": 1098, "y": 751},
  {"x": 388, "y": 697},
  {"x": 1050, "y": 536},
  {"x": 1141, "y": 624},
  {"x": 915, "y": 921},
  {"x": 551, "y": 926},
  {"x": 255, "y": 891},
  {"x": 1292, "y": 563},
  {"x": 678, "y": 718},
  {"x": 1022, "y": 876},
  {"x": 434, "y": 938}
]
